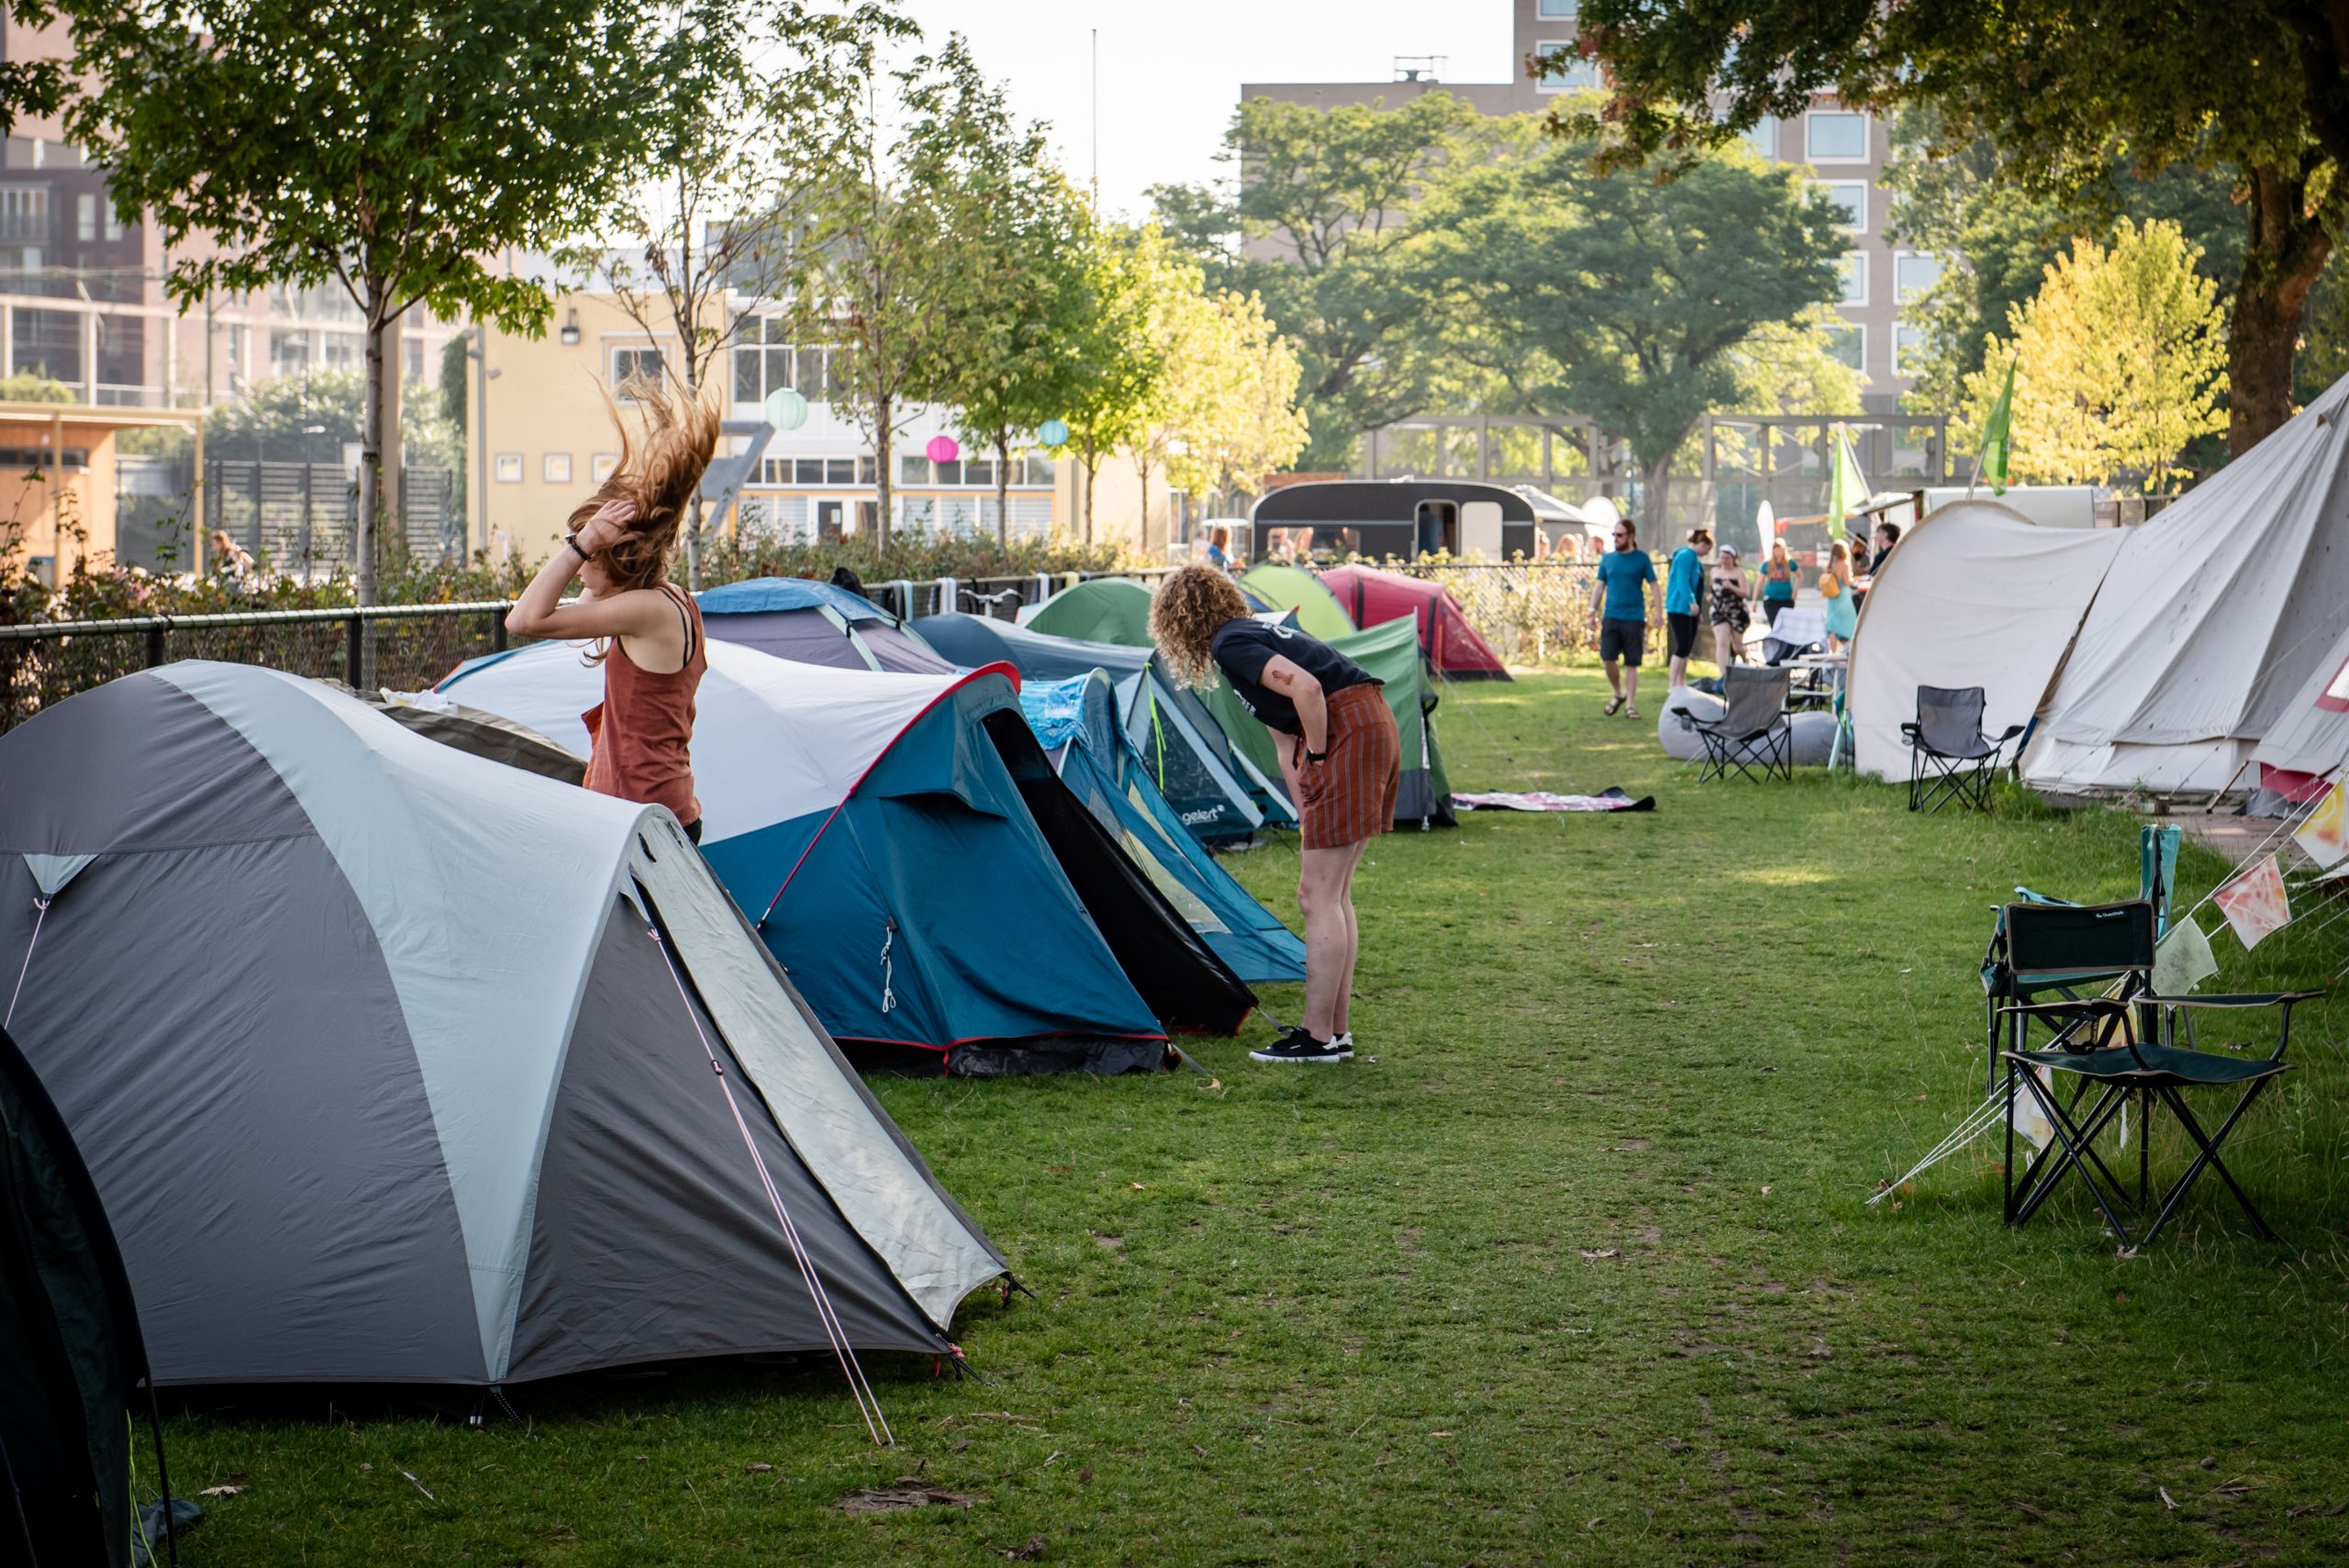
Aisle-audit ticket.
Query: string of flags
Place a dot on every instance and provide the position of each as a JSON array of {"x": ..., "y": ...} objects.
[{"x": 2256, "y": 901}]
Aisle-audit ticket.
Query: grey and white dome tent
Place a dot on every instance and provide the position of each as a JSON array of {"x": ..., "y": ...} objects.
[{"x": 392, "y": 1065}]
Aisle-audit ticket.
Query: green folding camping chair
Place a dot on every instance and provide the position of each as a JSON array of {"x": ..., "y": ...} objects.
[{"x": 2110, "y": 1041}]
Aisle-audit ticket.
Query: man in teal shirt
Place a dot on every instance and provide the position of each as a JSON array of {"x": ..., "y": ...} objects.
[
  {"x": 1618, "y": 614},
  {"x": 1684, "y": 593}
]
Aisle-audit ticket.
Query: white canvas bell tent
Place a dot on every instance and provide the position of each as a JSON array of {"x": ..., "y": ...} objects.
[
  {"x": 2310, "y": 741},
  {"x": 1976, "y": 596},
  {"x": 2214, "y": 614}
]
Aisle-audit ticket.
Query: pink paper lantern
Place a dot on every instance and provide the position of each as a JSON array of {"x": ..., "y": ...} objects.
[{"x": 943, "y": 449}]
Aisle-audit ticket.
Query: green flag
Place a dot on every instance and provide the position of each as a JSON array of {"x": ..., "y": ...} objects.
[
  {"x": 1998, "y": 437},
  {"x": 1847, "y": 487}
]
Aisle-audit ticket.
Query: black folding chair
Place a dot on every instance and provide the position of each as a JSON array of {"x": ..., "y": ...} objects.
[
  {"x": 1949, "y": 757},
  {"x": 2112, "y": 1044},
  {"x": 1753, "y": 731}
]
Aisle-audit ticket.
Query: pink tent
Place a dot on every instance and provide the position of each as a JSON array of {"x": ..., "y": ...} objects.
[{"x": 1449, "y": 643}]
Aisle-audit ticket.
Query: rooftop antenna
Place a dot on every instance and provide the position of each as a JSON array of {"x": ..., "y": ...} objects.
[{"x": 1419, "y": 67}]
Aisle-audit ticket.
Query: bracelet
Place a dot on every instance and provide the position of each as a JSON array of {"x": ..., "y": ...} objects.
[
  {"x": 572, "y": 540},
  {"x": 1313, "y": 756}
]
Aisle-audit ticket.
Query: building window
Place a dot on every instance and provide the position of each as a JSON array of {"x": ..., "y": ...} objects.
[
  {"x": 761, "y": 359},
  {"x": 1852, "y": 196},
  {"x": 1912, "y": 275},
  {"x": 1908, "y": 350},
  {"x": 555, "y": 468},
  {"x": 86, "y": 217},
  {"x": 1835, "y": 135},
  {"x": 289, "y": 350},
  {"x": 634, "y": 363},
  {"x": 602, "y": 466},
  {"x": 1855, "y": 279},
  {"x": 1558, "y": 10},
  {"x": 509, "y": 468},
  {"x": 1572, "y": 73},
  {"x": 24, "y": 212},
  {"x": 1847, "y": 345},
  {"x": 1763, "y": 139}
]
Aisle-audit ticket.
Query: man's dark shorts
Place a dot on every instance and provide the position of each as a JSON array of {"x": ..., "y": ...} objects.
[
  {"x": 1681, "y": 632},
  {"x": 1623, "y": 640}
]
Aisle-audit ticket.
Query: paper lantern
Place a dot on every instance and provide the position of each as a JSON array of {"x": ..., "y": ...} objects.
[
  {"x": 1053, "y": 432},
  {"x": 785, "y": 410},
  {"x": 943, "y": 449}
]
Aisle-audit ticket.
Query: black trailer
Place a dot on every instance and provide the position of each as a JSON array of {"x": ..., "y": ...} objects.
[{"x": 1331, "y": 520}]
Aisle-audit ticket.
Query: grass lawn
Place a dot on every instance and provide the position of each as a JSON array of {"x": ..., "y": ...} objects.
[{"x": 1573, "y": 1265}]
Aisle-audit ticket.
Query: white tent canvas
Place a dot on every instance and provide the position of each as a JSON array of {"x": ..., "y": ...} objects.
[
  {"x": 2214, "y": 614},
  {"x": 1976, "y": 596},
  {"x": 2312, "y": 736}
]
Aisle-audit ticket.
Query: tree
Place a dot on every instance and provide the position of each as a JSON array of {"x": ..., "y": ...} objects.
[
  {"x": 2060, "y": 88},
  {"x": 35, "y": 86},
  {"x": 2120, "y": 363},
  {"x": 1184, "y": 331},
  {"x": 1315, "y": 228},
  {"x": 1115, "y": 363},
  {"x": 884, "y": 287},
  {"x": 1247, "y": 424},
  {"x": 1622, "y": 299},
  {"x": 395, "y": 146},
  {"x": 776, "y": 85}
]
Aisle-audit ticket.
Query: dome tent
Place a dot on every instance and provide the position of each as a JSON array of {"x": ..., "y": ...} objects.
[
  {"x": 406, "y": 1076},
  {"x": 1099, "y": 610},
  {"x": 816, "y": 623},
  {"x": 1283, "y": 587},
  {"x": 1456, "y": 651},
  {"x": 71, "y": 1353},
  {"x": 1217, "y": 792},
  {"x": 1075, "y": 720},
  {"x": 938, "y": 895}
]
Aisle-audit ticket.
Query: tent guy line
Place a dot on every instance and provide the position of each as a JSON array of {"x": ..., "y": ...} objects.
[{"x": 23, "y": 969}]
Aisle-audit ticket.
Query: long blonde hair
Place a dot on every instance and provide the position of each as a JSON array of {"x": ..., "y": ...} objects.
[
  {"x": 1190, "y": 606},
  {"x": 659, "y": 475}
]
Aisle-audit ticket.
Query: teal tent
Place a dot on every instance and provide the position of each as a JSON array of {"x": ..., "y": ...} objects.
[{"x": 1076, "y": 721}]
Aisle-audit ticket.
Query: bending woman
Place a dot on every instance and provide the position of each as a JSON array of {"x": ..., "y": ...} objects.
[
  {"x": 1339, "y": 751},
  {"x": 620, "y": 545}
]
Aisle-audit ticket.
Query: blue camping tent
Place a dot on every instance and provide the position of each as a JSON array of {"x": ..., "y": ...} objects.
[
  {"x": 1076, "y": 720},
  {"x": 816, "y": 623},
  {"x": 1214, "y": 789},
  {"x": 908, "y": 855}
]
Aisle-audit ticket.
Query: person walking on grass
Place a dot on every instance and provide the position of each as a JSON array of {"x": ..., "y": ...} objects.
[
  {"x": 1835, "y": 587},
  {"x": 1778, "y": 582},
  {"x": 1619, "y": 615},
  {"x": 1684, "y": 587},
  {"x": 1338, "y": 752},
  {"x": 1730, "y": 614},
  {"x": 621, "y": 543}
]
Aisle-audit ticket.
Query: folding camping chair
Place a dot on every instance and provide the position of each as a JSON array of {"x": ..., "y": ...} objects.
[
  {"x": 2097, "y": 1039},
  {"x": 1752, "y": 730},
  {"x": 1949, "y": 757}
]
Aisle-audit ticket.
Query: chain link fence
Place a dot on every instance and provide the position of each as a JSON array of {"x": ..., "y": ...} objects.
[{"x": 401, "y": 646}]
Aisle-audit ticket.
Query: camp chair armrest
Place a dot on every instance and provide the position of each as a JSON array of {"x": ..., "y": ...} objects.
[
  {"x": 2075, "y": 1009},
  {"x": 2009, "y": 733},
  {"x": 1910, "y": 733},
  {"x": 2240, "y": 999}
]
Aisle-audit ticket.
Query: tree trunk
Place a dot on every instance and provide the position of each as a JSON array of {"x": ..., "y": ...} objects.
[
  {"x": 1141, "y": 524},
  {"x": 371, "y": 479},
  {"x": 2285, "y": 250},
  {"x": 1091, "y": 464},
  {"x": 1003, "y": 488},
  {"x": 1655, "y": 519},
  {"x": 884, "y": 418}
]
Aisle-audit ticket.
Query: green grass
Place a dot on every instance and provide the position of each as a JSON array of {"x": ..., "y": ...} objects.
[{"x": 1574, "y": 1266}]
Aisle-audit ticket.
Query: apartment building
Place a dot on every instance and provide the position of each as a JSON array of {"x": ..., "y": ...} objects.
[
  {"x": 1845, "y": 150},
  {"x": 543, "y": 439}
]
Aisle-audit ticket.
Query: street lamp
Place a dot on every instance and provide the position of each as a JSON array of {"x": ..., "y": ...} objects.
[{"x": 477, "y": 352}]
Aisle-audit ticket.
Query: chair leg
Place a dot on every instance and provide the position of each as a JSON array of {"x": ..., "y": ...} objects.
[
  {"x": 2077, "y": 1156},
  {"x": 2209, "y": 1158}
]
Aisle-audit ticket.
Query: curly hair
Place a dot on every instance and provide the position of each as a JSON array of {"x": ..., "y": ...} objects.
[
  {"x": 660, "y": 474},
  {"x": 1189, "y": 608}
]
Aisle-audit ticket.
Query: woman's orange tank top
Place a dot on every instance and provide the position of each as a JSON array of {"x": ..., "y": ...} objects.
[{"x": 644, "y": 729}]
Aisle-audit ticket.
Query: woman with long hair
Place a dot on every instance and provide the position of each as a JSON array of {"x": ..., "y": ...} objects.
[
  {"x": 620, "y": 544},
  {"x": 1778, "y": 582},
  {"x": 1835, "y": 586},
  {"x": 1339, "y": 750}
]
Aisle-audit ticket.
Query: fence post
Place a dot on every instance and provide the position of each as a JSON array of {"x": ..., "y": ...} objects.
[
  {"x": 155, "y": 646},
  {"x": 355, "y": 651},
  {"x": 497, "y": 633}
]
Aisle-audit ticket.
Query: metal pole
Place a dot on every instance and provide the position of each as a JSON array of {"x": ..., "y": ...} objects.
[
  {"x": 355, "y": 648},
  {"x": 481, "y": 431}
]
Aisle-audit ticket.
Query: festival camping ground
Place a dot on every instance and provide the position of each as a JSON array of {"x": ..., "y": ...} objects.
[{"x": 1573, "y": 1264}]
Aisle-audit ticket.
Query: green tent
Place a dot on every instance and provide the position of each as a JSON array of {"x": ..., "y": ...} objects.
[
  {"x": 1103, "y": 609},
  {"x": 1391, "y": 653},
  {"x": 1318, "y": 614}
]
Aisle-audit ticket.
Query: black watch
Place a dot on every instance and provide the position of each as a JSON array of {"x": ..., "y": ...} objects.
[
  {"x": 1313, "y": 756},
  {"x": 571, "y": 539}
]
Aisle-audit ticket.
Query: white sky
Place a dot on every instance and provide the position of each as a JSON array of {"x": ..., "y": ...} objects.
[{"x": 1170, "y": 72}]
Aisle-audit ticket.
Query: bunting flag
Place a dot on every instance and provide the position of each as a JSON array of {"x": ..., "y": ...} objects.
[
  {"x": 2254, "y": 903},
  {"x": 1847, "y": 487},
  {"x": 2324, "y": 832},
  {"x": 2183, "y": 961}
]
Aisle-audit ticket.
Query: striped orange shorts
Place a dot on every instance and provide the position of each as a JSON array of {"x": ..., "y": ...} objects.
[{"x": 1350, "y": 796}]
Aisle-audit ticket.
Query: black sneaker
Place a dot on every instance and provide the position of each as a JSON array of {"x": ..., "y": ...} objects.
[{"x": 1297, "y": 1045}]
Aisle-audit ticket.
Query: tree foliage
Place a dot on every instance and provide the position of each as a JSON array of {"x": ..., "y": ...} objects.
[
  {"x": 2120, "y": 363},
  {"x": 2062, "y": 88},
  {"x": 1642, "y": 306},
  {"x": 394, "y": 147}
]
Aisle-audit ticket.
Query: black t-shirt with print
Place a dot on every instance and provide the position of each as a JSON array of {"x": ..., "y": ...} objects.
[{"x": 1243, "y": 648}]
